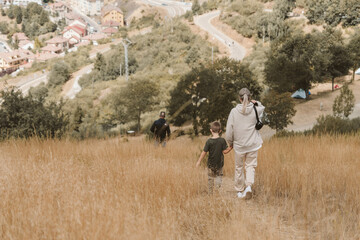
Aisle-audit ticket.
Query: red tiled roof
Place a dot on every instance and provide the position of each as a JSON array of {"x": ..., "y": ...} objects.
[
  {"x": 77, "y": 28},
  {"x": 109, "y": 8},
  {"x": 57, "y": 39},
  {"x": 50, "y": 48},
  {"x": 20, "y": 36}
]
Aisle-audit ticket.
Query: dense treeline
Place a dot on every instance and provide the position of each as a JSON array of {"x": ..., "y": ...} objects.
[
  {"x": 28, "y": 116},
  {"x": 34, "y": 19},
  {"x": 333, "y": 12}
]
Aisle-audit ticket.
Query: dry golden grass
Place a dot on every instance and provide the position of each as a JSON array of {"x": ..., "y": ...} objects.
[{"x": 306, "y": 188}]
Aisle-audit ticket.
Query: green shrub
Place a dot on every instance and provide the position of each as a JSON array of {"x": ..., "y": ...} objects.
[{"x": 335, "y": 125}]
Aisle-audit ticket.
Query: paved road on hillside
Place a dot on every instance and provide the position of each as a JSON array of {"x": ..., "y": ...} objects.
[
  {"x": 34, "y": 80},
  {"x": 88, "y": 20},
  {"x": 174, "y": 8},
  {"x": 237, "y": 51}
]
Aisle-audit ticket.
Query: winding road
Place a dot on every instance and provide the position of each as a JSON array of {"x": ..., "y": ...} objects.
[{"x": 237, "y": 51}]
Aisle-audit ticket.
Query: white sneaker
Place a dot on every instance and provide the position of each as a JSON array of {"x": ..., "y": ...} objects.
[
  {"x": 240, "y": 194},
  {"x": 247, "y": 193}
]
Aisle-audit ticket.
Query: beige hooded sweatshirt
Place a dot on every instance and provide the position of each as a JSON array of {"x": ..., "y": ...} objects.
[{"x": 240, "y": 128}]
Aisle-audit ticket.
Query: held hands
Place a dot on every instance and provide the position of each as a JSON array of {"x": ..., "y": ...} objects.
[{"x": 198, "y": 164}]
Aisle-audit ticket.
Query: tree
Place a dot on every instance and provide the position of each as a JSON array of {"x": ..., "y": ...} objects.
[
  {"x": 354, "y": 51},
  {"x": 344, "y": 103},
  {"x": 100, "y": 65},
  {"x": 37, "y": 43},
  {"x": 44, "y": 18},
  {"x": 293, "y": 64},
  {"x": 18, "y": 15},
  {"x": 139, "y": 96},
  {"x": 26, "y": 117},
  {"x": 279, "y": 109},
  {"x": 59, "y": 74},
  {"x": 16, "y": 43},
  {"x": 212, "y": 92},
  {"x": 195, "y": 7},
  {"x": 337, "y": 58}
]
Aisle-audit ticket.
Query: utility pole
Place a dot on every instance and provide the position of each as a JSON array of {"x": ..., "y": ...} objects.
[
  {"x": 212, "y": 55},
  {"x": 126, "y": 44}
]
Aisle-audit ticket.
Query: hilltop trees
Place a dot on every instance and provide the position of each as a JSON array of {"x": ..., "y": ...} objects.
[
  {"x": 212, "y": 92},
  {"x": 293, "y": 64},
  {"x": 301, "y": 60},
  {"x": 26, "y": 117}
]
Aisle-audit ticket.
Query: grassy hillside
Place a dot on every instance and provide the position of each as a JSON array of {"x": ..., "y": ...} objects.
[{"x": 306, "y": 188}]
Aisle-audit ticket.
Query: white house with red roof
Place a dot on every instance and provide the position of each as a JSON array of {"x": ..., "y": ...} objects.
[{"x": 78, "y": 22}]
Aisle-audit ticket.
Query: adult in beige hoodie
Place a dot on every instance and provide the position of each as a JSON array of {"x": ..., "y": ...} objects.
[{"x": 246, "y": 141}]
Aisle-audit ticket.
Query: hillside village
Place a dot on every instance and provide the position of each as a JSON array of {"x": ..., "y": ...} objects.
[{"x": 75, "y": 33}]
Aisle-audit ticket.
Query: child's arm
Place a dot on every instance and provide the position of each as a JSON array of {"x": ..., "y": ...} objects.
[
  {"x": 227, "y": 150},
  {"x": 202, "y": 155}
]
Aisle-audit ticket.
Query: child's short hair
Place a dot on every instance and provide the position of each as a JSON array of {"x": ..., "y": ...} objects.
[{"x": 215, "y": 126}]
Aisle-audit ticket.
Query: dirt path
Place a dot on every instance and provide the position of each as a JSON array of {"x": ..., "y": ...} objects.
[{"x": 266, "y": 217}]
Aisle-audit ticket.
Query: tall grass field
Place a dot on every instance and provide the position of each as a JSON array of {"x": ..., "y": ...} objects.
[{"x": 305, "y": 188}]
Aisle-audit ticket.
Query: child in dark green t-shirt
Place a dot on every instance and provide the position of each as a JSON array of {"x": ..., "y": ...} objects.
[{"x": 216, "y": 146}]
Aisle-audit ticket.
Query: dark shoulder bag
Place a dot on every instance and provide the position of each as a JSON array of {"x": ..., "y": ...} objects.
[{"x": 259, "y": 124}]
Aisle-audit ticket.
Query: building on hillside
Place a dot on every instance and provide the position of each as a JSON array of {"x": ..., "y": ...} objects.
[
  {"x": 58, "y": 41},
  {"x": 25, "y": 2},
  {"x": 78, "y": 22},
  {"x": 70, "y": 17},
  {"x": 10, "y": 61},
  {"x": 111, "y": 24},
  {"x": 94, "y": 38},
  {"x": 110, "y": 31},
  {"x": 51, "y": 49},
  {"x": 74, "y": 31},
  {"x": 26, "y": 45},
  {"x": 112, "y": 13},
  {"x": 59, "y": 8},
  {"x": 19, "y": 36},
  {"x": 88, "y": 7}
]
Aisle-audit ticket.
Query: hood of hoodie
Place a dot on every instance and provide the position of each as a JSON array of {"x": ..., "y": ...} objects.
[{"x": 249, "y": 108}]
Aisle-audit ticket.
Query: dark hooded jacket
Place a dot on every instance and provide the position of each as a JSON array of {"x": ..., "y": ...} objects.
[{"x": 160, "y": 128}]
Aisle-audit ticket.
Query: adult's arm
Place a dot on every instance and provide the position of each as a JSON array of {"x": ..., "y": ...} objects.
[
  {"x": 168, "y": 131},
  {"x": 260, "y": 108},
  {"x": 152, "y": 129},
  {"x": 229, "y": 136}
]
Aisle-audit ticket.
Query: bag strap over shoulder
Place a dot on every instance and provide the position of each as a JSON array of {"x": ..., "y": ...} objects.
[{"x": 257, "y": 117}]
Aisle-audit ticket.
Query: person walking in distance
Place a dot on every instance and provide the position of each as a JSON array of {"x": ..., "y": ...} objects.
[
  {"x": 160, "y": 128},
  {"x": 246, "y": 141}
]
